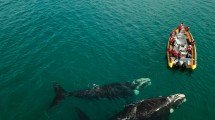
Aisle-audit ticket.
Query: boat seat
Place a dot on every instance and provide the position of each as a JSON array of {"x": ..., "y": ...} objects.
[
  {"x": 183, "y": 48},
  {"x": 188, "y": 60},
  {"x": 183, "y": 53}
]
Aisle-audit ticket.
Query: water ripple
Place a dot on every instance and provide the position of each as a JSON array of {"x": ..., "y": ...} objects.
[{"x": 80, "y": 43}]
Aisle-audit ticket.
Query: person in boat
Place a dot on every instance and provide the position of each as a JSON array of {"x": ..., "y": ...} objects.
[
  {"x": 175, "y": 53},
  {"x": 189, "y": 48},
  {"x": 188, "y": 55},
  {"x": 187, "y": 28},
  {"x": 169, "y": 51},
  {"x": 184, "y": 65},
  {"x": 172, "y": 41},
  {"x": 192, "y": 42},
  {"x": 178, "y": 64},
  {"x": 179, "y": 55},
  {"x": 180, "y": 27},
  {"x": 172, "y": 33}
]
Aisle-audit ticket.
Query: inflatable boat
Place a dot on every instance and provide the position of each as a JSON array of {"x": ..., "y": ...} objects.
[{"x": 181, "y": 49}]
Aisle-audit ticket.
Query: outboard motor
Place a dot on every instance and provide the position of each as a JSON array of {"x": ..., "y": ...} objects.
[
  {"x": 178, "y": 65},
  {"x": 184, "y": 65}
]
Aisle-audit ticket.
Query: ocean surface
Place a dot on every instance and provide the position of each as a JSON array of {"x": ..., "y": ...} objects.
[{"x": 78, "y": 43}]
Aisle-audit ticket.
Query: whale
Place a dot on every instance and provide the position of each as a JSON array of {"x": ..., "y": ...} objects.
[
  {"x": 158, "y": 108},
  {"x": 109, "y": 91},
  {"x": 81, "y": 114}
]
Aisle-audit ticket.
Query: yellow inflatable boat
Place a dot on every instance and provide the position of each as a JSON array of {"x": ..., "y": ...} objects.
[{"x": 181, "y": 49}]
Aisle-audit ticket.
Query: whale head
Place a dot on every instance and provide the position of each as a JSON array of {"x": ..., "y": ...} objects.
[
  {"x": 176, "y": 100},
  {"x": 141, "y": 83}
]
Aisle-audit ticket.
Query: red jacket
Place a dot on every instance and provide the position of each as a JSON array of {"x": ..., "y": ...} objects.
[
  {"x": 189, "y": 48},
  {"x": 180, "y": 26},
  {"x": 187, "y": 28}
]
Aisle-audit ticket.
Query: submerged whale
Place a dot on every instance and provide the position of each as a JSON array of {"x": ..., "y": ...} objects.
[
  {"x": 81, "y": 114},
  {"x": 151, "y": 109},
  {"x": 110, "y": 91}
]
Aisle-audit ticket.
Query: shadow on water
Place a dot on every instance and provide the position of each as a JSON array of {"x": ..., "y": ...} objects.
[{"x": 187, "y": 71}]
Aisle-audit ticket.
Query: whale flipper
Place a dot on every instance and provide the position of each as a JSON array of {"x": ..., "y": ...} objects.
[
  {"x": 60, "y": 95},
  {"x": 81, "y": 114}
]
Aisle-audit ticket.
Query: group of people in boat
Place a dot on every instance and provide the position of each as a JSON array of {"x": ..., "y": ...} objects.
[
  {"x": 173, "y": 33},
  {"x": 178, "y": 54}
]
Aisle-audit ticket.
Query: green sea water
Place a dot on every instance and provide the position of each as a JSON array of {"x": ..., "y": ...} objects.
[{"x": 79, "y": 43}]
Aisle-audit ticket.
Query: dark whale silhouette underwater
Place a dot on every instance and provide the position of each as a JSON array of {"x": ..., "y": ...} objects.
[
  {"x": 110, "y": 91},
  {"x": 81, "y": 114}
]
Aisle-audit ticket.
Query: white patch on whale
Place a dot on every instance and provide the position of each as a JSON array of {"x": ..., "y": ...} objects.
[
  {"x": 140, "y": 83},
  {"x": 169, "y": 100},
  {"x": 136, "y": 92},
  {"x": 184, "y": 100},
  {"x": 157, "y": 109},
  {"x": 95, "y": 85},
  {"x": 150, "y": 83},
  {"x": 171, "y": 110}
]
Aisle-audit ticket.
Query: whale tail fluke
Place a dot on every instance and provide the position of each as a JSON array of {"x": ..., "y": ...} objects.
[
  {"x": 81, "y": 114},
  {"x": 60, "y": 94}
]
